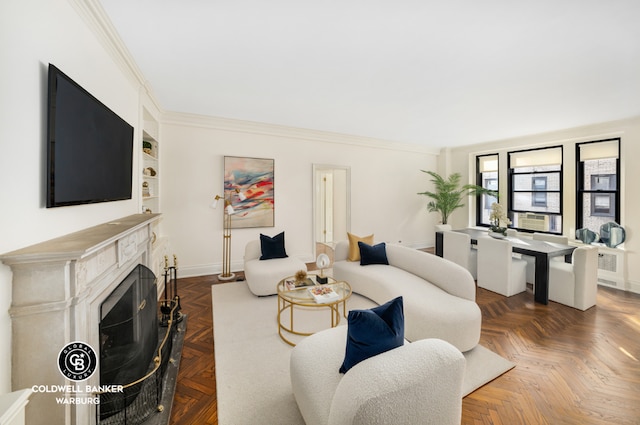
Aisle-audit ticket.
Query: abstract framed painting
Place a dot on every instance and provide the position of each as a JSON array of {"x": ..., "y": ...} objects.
[{"x": 253, "y": 178}]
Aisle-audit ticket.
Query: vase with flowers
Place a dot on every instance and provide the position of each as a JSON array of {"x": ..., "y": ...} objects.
[{"x": 498, "y": 221}]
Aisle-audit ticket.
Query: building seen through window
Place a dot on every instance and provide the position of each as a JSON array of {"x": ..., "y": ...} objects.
[
  {"x": 534, "y": 197},
  {"x": 487, "y": 177},
  {"x": 535, "y": 189},
  {"x": 598, "y": 171}
]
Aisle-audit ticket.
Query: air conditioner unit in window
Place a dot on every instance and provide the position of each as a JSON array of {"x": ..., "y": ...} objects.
[{"x": 532, "y": 221}]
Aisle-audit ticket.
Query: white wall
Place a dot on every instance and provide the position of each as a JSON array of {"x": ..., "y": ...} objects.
[
  {"x": 462, "y": 160},
  {"x": 34, "y": 33},
  {"x": 384, "y": 186}
]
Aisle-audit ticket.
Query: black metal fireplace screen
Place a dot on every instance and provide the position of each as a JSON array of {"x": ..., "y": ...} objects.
[
  {"x": 130, "y": 353},
  {"x": 141, "y": 398}
]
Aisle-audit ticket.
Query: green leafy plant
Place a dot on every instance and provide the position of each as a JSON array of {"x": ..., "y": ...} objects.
[{"x": 448, "y": 194}]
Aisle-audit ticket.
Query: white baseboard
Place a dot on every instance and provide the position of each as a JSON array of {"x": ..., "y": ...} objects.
[
  {"x": 207, "y": 269},
  {"x": 633, "y": 286}
]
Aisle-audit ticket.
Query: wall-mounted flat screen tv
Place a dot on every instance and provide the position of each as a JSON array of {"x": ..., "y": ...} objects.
[{"x": 89, "y": 147}]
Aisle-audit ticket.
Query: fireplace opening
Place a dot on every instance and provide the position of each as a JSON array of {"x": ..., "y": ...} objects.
[
  {"x": 128, "y": 328},
  {"x": 128, "y": 340}
]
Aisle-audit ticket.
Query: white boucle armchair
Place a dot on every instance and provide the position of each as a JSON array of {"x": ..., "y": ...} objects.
[
  {"x": 262, "y": 276},
  {"x": 418, "y": 383}
]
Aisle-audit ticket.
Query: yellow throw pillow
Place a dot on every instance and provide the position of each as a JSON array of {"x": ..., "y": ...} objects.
[{"x": 354, "y": 250}]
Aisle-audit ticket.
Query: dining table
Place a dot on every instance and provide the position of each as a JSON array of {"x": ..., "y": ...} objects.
[{"x": 541, "y": 251}]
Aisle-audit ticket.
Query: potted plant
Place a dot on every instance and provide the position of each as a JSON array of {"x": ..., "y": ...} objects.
[
  {"x": 448, "y": 194},
  {"x": 498, "y": 221}
]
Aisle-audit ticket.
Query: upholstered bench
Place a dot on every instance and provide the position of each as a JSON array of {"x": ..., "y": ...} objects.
[{"x": 262, "y": 276}]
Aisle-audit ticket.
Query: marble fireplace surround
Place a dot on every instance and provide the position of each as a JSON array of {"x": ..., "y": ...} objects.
[{"x": 58, "y": 286}]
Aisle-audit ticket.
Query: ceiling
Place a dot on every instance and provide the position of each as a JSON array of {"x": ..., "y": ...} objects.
[{"x": 433, "y": 73}]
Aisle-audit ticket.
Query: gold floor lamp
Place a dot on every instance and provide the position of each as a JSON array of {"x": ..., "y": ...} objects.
[{"x": 226, "y": 232}]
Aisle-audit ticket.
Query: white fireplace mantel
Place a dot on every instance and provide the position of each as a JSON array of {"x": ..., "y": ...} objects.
[{"x": 58, "y": 286}]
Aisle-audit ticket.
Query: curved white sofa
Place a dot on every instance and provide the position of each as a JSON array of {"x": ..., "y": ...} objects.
[
  {"x": 439, "y": 295},
  {"x": 417, "y": 383}
]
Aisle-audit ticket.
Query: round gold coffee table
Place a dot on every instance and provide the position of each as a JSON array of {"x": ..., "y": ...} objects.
[{"x": 301, "y": 298}]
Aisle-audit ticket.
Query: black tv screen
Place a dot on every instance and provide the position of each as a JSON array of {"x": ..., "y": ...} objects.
[{"x": 89, "y": 149}]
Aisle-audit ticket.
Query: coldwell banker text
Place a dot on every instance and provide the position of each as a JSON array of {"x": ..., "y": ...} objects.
[{"x": 77, "y": 394}]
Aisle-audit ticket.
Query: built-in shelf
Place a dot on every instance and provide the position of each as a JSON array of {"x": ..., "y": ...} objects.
[
  {"x": 150, "y": 202},
  {"x": 150, "y": 186}
]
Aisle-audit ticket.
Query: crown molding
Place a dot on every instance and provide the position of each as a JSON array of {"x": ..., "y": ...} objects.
[
  {"x": 598, "y": 131},
  {"x": 252, "y": 127},
  {"x": 97, "y": 20}
]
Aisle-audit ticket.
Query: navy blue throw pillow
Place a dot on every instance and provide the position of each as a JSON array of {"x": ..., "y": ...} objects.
[
  {"x": 372, "y": 332},
  {"x": 272, "y": 247},
  {"x": 376, "y": 254}
]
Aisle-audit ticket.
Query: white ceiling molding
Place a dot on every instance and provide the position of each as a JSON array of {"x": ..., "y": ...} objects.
[
  {"x": 92, "y": 12},
  {"x": 599, "y": 131},
  {"x": 227, "y": 124}
]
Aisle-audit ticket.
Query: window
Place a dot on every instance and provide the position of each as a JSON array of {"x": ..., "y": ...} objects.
[
  {"x": 535, "y": 189},
  {"x": 598, "y": 173},
  {"x": 539, "y": 188},
  {"x": 487, "y": 177},
  {"x": 491, "y": 184},
  {"x": 601, "y": 205}
]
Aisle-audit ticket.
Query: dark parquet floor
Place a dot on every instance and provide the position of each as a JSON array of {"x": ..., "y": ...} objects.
[{"x": 573, "y": 367}]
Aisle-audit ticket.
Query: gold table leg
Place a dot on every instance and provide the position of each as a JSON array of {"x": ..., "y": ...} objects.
[{"x": 283, "y": 304}]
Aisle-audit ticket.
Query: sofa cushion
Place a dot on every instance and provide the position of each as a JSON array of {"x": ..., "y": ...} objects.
[
  {"x": 272, "y": 247},
  {"x": 372, "y": 332},
  {"x": 376, "y": 254},
  {"x": 354, "y": 249}
]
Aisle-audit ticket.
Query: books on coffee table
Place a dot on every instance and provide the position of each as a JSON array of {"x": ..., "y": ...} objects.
[
  {"x": 323, "y": 294},
  {"x": 292, "y": 284}
]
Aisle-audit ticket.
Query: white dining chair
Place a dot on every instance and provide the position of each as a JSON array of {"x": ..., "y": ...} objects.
[
  {"x": 498, "y": 270},
  {"x": 457, "y": 248},
  {"x": 575, "y": 284},
  {"x": 531, "y": 262}
]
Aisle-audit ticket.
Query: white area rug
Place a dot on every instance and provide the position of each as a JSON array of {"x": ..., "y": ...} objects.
[{"x": 252, "y": 362}]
